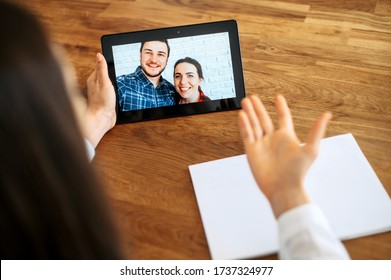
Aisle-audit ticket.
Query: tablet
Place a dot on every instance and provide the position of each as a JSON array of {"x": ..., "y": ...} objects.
[{"x": 175, "y": 71}]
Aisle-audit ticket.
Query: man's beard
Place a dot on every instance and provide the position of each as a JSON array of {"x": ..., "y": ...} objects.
[{"x": 152, "y": 76}]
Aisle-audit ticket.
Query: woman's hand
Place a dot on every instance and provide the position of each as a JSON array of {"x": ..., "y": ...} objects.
[
  {"x": 100, "y": 115},
  {"x": 278, "y": 161}
]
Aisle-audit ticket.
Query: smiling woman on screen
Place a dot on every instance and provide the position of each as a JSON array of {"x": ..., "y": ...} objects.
[{"x": 187, "y": 80}]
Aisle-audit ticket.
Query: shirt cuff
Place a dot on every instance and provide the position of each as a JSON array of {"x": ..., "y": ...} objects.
[
  {"x": 304, "y": 233},
  {"x": 90, "y": 150},
  {"x": 294, "y": 220}
]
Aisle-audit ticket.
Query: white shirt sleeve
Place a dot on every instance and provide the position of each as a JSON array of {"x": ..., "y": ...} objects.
[
  {"x": 90, "y": 150},
  {"x": 304, "y": 233}
]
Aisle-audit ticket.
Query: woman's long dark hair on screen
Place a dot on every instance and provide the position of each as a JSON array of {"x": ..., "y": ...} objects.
[{"x": 52, "y": 205}]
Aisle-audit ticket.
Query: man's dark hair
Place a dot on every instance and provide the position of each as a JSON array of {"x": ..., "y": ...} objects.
[{"x": 159, "y": 40}]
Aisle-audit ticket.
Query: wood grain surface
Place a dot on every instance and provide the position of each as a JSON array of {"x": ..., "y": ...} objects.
[{"x": 321, "y": 54}]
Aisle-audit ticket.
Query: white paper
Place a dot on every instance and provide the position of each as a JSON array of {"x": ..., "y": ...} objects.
[{"x": 239, "y": 222}]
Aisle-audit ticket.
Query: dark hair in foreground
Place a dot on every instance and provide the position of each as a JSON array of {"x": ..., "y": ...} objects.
[
  {"x": 52, "y": 205},
  {"x": 192, "y": 61},
  {"x": 158, "y": 40}
]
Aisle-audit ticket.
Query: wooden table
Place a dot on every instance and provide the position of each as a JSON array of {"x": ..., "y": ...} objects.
[{"x": 321, "y": 54}]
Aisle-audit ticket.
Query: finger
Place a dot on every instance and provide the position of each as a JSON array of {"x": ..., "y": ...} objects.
[
  {"x": 317, "y": 132},
  {"x": 245, "y": 128},
  {"x": 283, "y": 114},
  {"x": 99, "y": 57},
  {"x": 92, "y": 78},
  {"x": 252, "y": 117},
  {"x": 101, "y": 68},
  {"x": 263, "y": 116}
]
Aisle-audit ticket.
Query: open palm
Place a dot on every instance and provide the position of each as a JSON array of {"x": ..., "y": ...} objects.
[{"x": 278, "y": 161}]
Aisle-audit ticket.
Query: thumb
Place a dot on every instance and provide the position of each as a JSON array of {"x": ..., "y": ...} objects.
[{"x": 101, "y": 67}]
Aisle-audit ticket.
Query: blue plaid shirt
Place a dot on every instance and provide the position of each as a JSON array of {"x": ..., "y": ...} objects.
[{"x": 136, "y": 92}]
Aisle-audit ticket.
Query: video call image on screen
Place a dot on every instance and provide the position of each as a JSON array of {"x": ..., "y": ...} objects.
[{"x": 212, "y": 51}]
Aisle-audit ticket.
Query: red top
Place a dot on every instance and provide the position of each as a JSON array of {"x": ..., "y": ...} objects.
[{"x": 203, "y": 97}]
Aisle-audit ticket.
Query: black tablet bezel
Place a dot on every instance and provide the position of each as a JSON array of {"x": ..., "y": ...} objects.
[{"x": 230, "y": 26}]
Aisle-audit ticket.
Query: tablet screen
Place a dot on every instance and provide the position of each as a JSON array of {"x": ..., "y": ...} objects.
[{"x": 175, "y": 71}]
